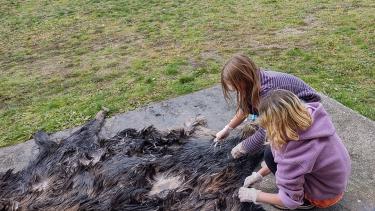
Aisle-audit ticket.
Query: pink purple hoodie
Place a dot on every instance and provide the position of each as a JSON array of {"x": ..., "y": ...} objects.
[{"x": 317, "y": 165}]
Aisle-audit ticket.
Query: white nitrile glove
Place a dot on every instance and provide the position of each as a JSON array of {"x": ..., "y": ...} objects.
[
  {"x": 238, "y": 151},
  {"x": 222, "y": 134},
  {"x": 248, "y": 195},
  {"x": 252, "y": 179}
]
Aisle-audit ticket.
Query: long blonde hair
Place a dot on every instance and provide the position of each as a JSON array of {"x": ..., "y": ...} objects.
[
  {"x": 241, "y": 73},
  {"x": 283, "y": 115}
]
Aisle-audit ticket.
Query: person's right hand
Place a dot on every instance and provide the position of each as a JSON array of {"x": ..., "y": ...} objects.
[
  {"x": 253, "y": 178},
  {"x": 222, "y": 134}
]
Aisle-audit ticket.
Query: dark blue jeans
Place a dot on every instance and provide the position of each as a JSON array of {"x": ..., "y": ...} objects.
[{"x": 268, "y": 158}]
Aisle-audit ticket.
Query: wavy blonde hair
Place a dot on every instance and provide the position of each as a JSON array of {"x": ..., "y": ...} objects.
[
  {"x": 283, "y": 115},
  {"x": 241, "y": 73}
]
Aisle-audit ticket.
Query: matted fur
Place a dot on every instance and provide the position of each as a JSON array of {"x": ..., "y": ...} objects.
[{"x": 83, "y": 172}]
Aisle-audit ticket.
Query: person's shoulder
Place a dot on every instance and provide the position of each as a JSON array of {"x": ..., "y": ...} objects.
[
  {"x": 301, "y": 152},
  {"x": 268, "y": 72},
  {"x": 276, "y": 74},
  {"x": 267, "y": 75}
]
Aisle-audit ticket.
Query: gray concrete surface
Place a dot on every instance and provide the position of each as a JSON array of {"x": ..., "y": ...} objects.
[{"x": 357, "y": 131}]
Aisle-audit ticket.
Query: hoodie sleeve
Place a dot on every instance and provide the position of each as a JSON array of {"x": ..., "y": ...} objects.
[
  {"x": 255, "y": 142},
  {"x": 290, "y": 180}
]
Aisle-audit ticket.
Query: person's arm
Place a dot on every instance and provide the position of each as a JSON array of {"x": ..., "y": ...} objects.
[
  {"x": 270, "y": 198},
  {"x": 238, "y": 118},
  {"x": 290, "y": 178},
  {"x": 252, "y": 144},
  {"x": 256, "y": 196},
  {"x": 255, "y": 142}
]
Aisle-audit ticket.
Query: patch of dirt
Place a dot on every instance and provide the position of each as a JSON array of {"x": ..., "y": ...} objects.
[
  {"x": 51, "y": 66},
  {"x": 194, "y": 63},
  {"x": 309, "y": 21},
  {"x": 259, "y": 46},
  {"x": 290, "y": 31},
  {"x": 211, "y": 54},
  {"x": 245, "y": 39},
  {"x": 117, "y": 41}
]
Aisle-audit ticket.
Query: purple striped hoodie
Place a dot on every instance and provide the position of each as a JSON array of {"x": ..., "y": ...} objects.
[{"x": 271, "y": 80}]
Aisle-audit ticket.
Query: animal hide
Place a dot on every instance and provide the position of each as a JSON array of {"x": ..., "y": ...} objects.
[{"x": 134, "y": 170}]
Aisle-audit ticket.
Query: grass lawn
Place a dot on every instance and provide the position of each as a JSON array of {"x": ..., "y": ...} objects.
[{"x": 60, "y": 61}]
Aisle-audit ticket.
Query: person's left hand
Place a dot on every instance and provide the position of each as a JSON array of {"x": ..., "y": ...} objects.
[
  {"x": 238, "y": 151},
  {"x": 248, "y": 194}
]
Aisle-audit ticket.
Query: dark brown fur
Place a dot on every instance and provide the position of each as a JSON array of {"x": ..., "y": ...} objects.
[{"x": 86, "y": 173}]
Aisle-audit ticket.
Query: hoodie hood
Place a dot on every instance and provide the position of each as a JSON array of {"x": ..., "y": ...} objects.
[{"x": 322, "y": 125}]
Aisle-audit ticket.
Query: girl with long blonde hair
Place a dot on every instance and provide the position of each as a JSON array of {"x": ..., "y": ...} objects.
[{"x": 308, "y": 158}]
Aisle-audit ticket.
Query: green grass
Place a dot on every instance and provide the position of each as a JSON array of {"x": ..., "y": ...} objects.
[{"x": 61, "y": 61}]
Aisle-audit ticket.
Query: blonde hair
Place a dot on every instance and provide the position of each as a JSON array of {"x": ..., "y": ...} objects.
[
  {"x": 283, "y": 115},
  {"x": 241, "y": 73}
]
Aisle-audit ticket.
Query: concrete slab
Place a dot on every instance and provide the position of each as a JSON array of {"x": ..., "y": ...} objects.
[{"x": 357, "y": 131}]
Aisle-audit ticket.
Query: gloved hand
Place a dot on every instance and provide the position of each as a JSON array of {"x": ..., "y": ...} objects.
[
  {"x": 222, "y": 134},
  {"x": 238, "y": 151},
  {"x": 253, "y": 178},
  {"x": 248, "y": 195}
]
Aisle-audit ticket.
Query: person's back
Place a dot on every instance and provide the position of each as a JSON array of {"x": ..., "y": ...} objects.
[
  {"x": 320, "y": 156},
  {"x": 309, "y": 160},
  {"x": 272, "y": 80}
]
